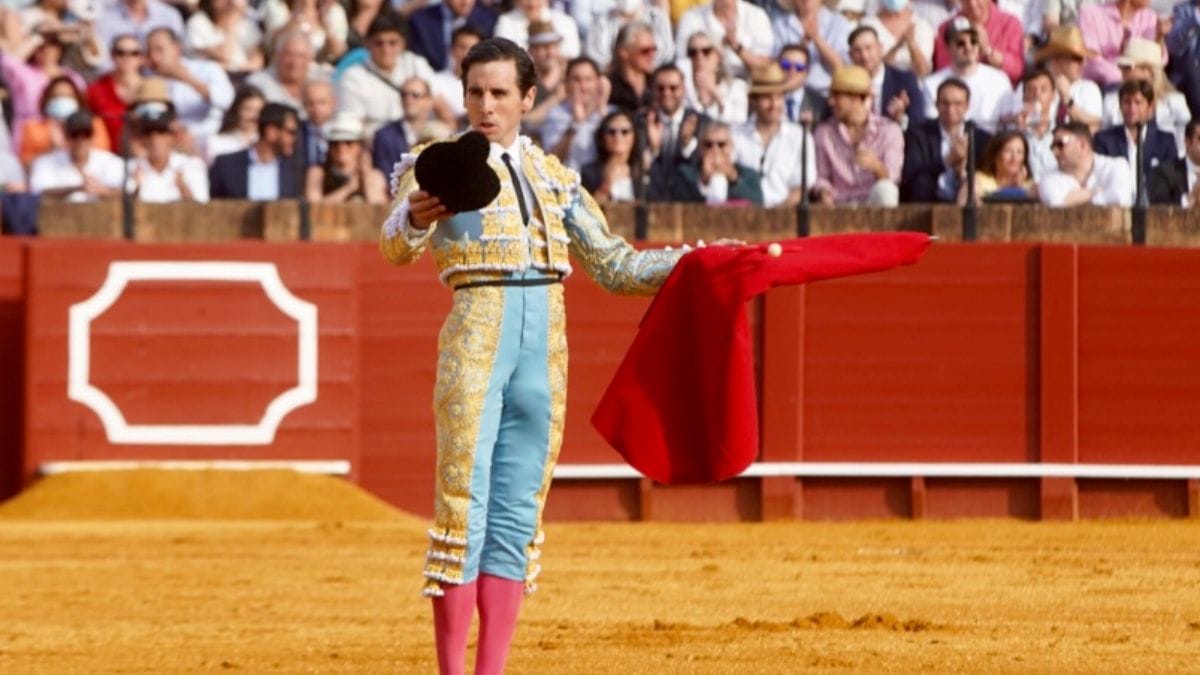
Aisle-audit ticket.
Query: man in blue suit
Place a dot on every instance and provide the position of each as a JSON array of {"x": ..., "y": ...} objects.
[
  {"x": 935, "y": 150},
  {"x": 429, "y": 29},
  {"x": 267, "y": 170},
  {"x": 1137, "y": 108},
  {"x": 896, "y": 91}
]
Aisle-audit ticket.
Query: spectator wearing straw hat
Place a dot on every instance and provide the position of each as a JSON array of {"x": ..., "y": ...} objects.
[
  {"x": 1106, "y": 28},
  {"x": 265, "y": 171},
  {"x": 1075, "y": 98},
  {"x": 859, "y": 154},
  {"x": 347, "y": 174},
  {"x": 1142, "y": 60},
  {"x": 773, "y": 145},
  {"x": 990, "y": 87},
  {"x": 431, "y": 29},
  {"x": 1000, "y": 36},
  {"x": 78, "y": 172},
  {"x": 163, "y": 173}
]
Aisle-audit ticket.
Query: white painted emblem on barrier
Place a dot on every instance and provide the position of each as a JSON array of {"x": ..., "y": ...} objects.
[{"x": 118, "y": 430}]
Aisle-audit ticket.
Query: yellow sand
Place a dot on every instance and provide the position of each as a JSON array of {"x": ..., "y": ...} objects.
[{"x": 334, "y": 595}]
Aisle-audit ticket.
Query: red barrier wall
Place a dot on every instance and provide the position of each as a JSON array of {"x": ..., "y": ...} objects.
[
  {"x": 12, "y": 361},
  {"x": 191, "y": 352},
  {"x": 980, "y": 353}
]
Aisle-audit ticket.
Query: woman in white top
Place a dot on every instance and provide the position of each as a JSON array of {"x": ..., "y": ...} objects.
[
  {"x": 905, "y": 38},
  {"x": 1142, "y": 59},
  {"x": 224, "y": 32},
  {"x": 514, "y": 25},
  {"x": 710, "y": 89}
]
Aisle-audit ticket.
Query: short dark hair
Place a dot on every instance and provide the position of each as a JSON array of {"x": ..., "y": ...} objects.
[
  {"x": 953, "y": 82},
  {"x": 466, "y": 29},
  {"x": 502, "y": 49},
  {"x": 385, "y": 22},
  {"x": 275, "y": 115},
  {"x": 1136, "y": 86},
  {"x": 668, "y": 67},
  {"x": 1076, "y": 129},
  {"x": 1190, "y": 127},
  {"x": 582, "y": 61},
  {"x": 951, "y": 33},
  {"x": 794, "y": 47},
  {"x": 856, "y": 32},
  {"x": 1034, "y": 73}
]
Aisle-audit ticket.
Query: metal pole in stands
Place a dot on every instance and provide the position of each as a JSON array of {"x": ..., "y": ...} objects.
[
  {"x": 1138, "y": 224},
  {"x": 305, "y": 220},
  {"x": 126, "y": 195},
  {"x": 802, "y": 213},
  {"x": 969, "y": 230}
]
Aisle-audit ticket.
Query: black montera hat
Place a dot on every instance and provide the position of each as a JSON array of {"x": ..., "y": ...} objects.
[{"x": 457, "y": 173}]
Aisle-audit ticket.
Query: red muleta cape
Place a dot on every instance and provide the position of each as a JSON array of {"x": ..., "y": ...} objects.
[{"x": 681, "y": 407}]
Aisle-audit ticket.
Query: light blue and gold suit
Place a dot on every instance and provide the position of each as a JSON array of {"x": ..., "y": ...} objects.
[{"x": 500, "y": 395}]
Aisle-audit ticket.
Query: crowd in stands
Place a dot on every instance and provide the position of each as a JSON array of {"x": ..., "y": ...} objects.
[{"x": 759, "y": 102}]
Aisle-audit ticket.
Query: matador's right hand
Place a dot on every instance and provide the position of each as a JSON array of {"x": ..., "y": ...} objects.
[{"x": 424, "y": 209}]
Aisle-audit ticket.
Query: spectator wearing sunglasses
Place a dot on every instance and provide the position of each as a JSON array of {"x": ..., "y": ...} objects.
[
  {"x": 801, "y": 102},
  {"x": 714, "y": 177},
  {"x": 617, "y": 173},
  {"x": 670, "y": 128},
  {"x": 634, "y": 56},
  {"x": 825, "y": 34},
  {"x": 712, "y": 90},
  {"x": 78, "y": 172},
  {"x": 990, "y": 87},
  {"x": 1083, "y": 177},
  {"x": 742, "y": 29},
  {"x": 110, "y": 96},
  {"x": 1000, "y": 35},
  {"x": 605, "y": 27}
]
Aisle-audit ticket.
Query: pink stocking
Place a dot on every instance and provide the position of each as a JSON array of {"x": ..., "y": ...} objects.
[
  {"x": 499, "y": 604},
  {"x": 451, "y": 623}
]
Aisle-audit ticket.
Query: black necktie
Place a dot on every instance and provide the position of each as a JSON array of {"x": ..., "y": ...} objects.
[{"x": 512, "y": 171}]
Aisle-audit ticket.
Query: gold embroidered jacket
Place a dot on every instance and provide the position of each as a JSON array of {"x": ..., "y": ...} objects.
[{"x": 493, "y": 241}]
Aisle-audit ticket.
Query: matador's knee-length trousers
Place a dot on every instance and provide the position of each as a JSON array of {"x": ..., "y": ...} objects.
[{"x": 499, "y": 404}]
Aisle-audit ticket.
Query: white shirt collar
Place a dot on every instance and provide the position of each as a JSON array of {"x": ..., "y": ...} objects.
[{"x": 513, "y": 151}]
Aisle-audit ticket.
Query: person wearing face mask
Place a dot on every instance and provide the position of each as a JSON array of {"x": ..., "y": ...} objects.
[
  {"x": 905, "y": 38},
  {"x": 44, "y": 133}
]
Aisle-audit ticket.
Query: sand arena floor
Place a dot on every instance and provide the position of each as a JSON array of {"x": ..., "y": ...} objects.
[{"x": 132, "y": 574}]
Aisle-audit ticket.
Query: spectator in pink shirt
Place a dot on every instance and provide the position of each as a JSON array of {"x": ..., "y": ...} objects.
[
  {"x": 859, "y": 153},
  {"x": 1106, "y": 30},
  {"x": 1001, "y": 38}
]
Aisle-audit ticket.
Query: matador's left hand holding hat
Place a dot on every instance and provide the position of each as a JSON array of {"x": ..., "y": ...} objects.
[
  {"x": 457, "y": 173},
  {"x": 681, "y": 407}
]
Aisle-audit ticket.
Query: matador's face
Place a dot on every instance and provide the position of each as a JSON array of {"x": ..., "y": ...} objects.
[{"x": 494, "y": 101}]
